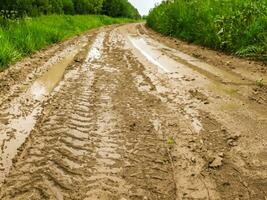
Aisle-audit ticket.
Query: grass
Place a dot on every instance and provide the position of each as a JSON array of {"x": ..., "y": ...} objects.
[
  {"x": 235, "y": 26},
  {"x": 260, "y": 83},
  {"x": 20, "y": 38}
]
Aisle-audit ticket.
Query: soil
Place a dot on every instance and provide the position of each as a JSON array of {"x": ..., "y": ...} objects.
[{"x": 124, "y": 113}]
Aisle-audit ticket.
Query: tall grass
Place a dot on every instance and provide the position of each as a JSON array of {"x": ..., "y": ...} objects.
[
  {"x": 19, "y": 38},
  {"x": 235, "y": 26}
]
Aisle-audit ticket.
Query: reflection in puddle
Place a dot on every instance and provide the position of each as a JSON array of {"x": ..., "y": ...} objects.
[
  {"x": 139, "y": 43},
  {"x": 44, "y": 85},
  {"x": 96, "y": 49},
  {"x": 38, "y": 90},
  {"x": 19, "y": 130},
  {"x": 174, "y": 70},
  {"x": 25, "y": 110}
]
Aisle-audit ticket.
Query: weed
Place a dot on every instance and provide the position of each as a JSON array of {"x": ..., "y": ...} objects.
[
  {"x": 260, "y": 83},
  {"x": 21, "y": 37},
  {"x": 237, "y": 26},
  {"x": 171, "y": 141}
]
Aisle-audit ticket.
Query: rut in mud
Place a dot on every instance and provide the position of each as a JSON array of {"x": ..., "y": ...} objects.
[
  {"x": 119, "y": 115},
  {"x": 97, "y": 137}
]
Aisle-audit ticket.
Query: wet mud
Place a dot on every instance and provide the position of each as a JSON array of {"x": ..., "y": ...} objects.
[{"x": 118, "y": 113}]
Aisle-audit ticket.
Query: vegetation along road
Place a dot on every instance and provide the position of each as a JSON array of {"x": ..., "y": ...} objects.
[{"x": 121, "y": 112}]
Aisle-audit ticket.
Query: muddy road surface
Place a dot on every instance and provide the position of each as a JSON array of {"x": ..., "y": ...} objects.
[{"x": 123, "y": 113}]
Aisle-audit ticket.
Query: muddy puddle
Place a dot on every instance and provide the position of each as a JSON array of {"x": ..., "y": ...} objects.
[
  {"x": 45, "y": 84},
  {"x": 200, "y": 88},
  {"x": 24, "y": 111},
  {"x": 180, "y": 66},
  {"x": 170, "y": 68}
]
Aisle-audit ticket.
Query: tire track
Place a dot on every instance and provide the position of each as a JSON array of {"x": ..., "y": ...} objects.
[{"x": 97, "y": 137}]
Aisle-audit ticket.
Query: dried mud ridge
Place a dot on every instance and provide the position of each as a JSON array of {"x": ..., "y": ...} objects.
[{"x": 120, "y": 125}]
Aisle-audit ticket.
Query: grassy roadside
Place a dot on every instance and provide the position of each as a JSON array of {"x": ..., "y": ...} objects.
[
  {"x": 235, "y": 26},
  {"x": 23, "y": 37}
]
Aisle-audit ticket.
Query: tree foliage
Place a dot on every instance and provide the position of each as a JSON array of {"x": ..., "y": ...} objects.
[
  {"x": 120, "y": 8},
  {"x": 115, "y": 8}
]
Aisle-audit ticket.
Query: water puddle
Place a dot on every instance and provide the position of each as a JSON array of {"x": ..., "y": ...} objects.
[
  {"x": 174, "y": 70},
  {"x": 44, "y": 85},
  {"x": 204, "y": 68},
  {"x": 192, "y": 73},
  {"x": 152, "y": 56},
  {"x": 96, "y": 50},
  {"x": 25, "y": 109}
]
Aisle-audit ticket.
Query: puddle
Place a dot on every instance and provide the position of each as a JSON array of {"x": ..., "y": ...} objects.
[
  {"x": 192, "y": 73},
  {"x": 141, "y": 45},
  {"x": 177, "y": 63},
  {"x": 174, "y": 70},
  {"x": 25, "y": 109},
  {"x": 206, "y": 69},
  {"x": 96, "y": 49},
  {"x": 21, "y": 128},
  {"x": 44, "y": 85}
]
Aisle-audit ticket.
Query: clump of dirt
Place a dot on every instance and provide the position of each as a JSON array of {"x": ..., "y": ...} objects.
[
  {"x": 259, "y": 94},
  {"x": 199, "y": 96}
]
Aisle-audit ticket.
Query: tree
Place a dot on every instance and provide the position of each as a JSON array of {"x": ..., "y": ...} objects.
[
  {"x": 68, "y": 6},
  {"x": 114, "y": 8},
  {"x": 56, "y": 6},
  {"x": 120, "y": 8},
  {"x": 95, "y": 6}
]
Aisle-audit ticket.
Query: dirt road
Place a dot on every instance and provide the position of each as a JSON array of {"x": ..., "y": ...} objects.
[{"x": 123, "y": 113}]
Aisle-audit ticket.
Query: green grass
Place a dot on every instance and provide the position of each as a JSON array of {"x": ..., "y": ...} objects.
[
  {"x": 21, "y": 38},
  {"x": 235, "y": 26}
]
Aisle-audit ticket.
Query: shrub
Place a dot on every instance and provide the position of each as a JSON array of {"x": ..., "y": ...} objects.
[{"x": 235, "y": 26}]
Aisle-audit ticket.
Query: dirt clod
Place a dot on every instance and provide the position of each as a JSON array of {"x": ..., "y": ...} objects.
[{"x": 217, "y": 162}]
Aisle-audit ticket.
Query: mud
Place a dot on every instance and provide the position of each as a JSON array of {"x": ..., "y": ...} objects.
[{"x": 120, "y": 113}]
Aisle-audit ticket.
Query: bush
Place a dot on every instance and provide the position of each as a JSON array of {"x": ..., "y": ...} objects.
[{"x": 235, "y": 26}]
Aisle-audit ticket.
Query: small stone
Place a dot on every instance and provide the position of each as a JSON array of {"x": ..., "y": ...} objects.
[
  {"x": 232, "y": 67},
  {"x": 185, "y": 194},
  {"x": 223, "y": 129},
  {"x": 217, "y": 162},
  {"x": 226, "y": 183},
  {"x": 78, "y": 60},
  {"x": 234, "y": 144},
  {"x": 234, "y": 137},
  {"x": 245, "y": 184},
  {"x": 221, "y": 154}
]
